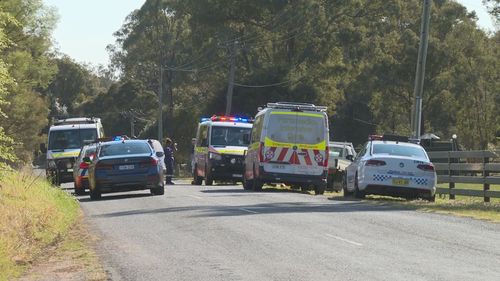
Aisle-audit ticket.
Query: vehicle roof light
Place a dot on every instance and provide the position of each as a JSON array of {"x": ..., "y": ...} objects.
[{"x": 222, "y": 118}]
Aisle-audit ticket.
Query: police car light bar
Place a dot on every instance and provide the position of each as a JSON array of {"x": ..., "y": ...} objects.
[
  {"x": 297, "y": 106},
  {"x": 216, "y": 118},
  {"x": 397, "y": 138}
]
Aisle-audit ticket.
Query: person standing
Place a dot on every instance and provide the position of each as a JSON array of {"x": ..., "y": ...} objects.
[{"x": 169, "y": 160}]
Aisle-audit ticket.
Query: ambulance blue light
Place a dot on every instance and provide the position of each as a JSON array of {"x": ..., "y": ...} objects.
[{"x": 217, "y": 118}]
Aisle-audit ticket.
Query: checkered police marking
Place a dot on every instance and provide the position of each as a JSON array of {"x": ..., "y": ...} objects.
[{"x": 381, "y": 177}]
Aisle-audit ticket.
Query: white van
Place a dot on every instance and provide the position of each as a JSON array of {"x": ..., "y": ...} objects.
[
  {"x": 65, "y": 139},
  {"x": 288, "y": 144},
  {"x": 219, "y": 147}
]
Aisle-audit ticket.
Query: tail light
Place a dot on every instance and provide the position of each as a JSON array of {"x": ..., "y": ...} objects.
[
  {"x": 373, "y": 162},
  {"x": 327, "y": 156},
  {"x": 261, "y": 152},
  {"x": 426, "y": 167},
  {"x": 84, "y": 165},
  {"x": 154, "y": 161},
  {"x": 103, "y": 166}
]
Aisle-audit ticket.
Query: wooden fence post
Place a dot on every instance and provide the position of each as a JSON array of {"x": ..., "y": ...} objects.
[
  {"x": 486, "y": 173},
  {"x": 450, "y": 173}
]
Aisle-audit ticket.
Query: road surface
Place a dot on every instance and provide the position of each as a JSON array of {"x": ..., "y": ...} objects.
[{"x": 226, "y": 233}]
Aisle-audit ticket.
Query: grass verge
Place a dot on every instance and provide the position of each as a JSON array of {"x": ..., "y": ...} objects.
[
  {"x": 462, "y": 206},
  {"x": 33, "y": 216}
]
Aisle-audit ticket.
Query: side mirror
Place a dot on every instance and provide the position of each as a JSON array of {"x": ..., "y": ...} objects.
[
  {"x": 246, "y": 138},
  {"x": 160, "y": 154},
  {"x": 86, "y": 160},
  {"x": 43, "y": 148},
  {"x": 350, "y": 157}
]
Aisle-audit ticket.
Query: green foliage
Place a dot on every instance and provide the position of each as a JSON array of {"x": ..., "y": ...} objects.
[
  {"x": 356, "y": 57},
  {"x": 26, "y": 26}
]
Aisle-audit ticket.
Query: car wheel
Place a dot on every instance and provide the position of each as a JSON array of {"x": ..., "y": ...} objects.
[
  {"x": 295, "y": 187},
  {"x": 319, "y": 190},
  {"x": 208, "y": 179},
  {"x": 347, "y": 193},
  {"x": 358, "y": 193},
  {"x": 247, "y": 184},
  {"x": 257, "y": 184},
  {"x": 79, "y": 191},
  {"x": 95, "y": 194},
  {"x": 330, "y": 182},
  {"x": 431, "y": 198},
  {"x": 197, "y": 180},
  {"x": 158, "y": 191}
]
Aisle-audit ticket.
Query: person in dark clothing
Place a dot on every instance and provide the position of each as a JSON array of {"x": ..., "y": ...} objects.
[{"x": 169, "y": 160}]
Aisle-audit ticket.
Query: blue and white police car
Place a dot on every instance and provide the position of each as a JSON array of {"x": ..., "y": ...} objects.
[{"x": 393, "y": 166}]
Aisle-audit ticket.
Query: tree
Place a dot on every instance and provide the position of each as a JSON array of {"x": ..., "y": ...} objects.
[{"x": 29, "y": 63}]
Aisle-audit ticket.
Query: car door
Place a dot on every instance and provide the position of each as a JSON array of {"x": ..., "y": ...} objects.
[
  {"x": 252, "y": 154},
  {"x": 352, "y": 169}
]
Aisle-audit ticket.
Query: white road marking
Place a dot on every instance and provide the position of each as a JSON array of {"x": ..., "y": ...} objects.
[
  {"x": 344, "y": 240},
  {"x": 196, "y": 197},
  {"x": 249, "y": 211}
]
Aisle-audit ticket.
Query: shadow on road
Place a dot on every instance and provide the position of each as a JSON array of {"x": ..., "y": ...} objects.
[
  {"x": 115, "y": 197},
  {"x": 264, "y": 208}
]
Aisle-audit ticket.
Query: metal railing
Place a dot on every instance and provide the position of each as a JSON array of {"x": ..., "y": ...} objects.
[{"x": 473, "y": 167}]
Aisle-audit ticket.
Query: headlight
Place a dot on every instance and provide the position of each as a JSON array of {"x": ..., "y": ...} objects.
[
  {"x": 69, "y": 165},
  {"x": 214, "y": 156},
  {"x": 52, "y": 164}
]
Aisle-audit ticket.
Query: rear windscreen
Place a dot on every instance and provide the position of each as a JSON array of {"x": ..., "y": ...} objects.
[
  {"x": 399, "y": 150},
  {"x": 229, "y": 136},
  {"x": 293, "y": 128},
  {"x": 119, "y": 148}
]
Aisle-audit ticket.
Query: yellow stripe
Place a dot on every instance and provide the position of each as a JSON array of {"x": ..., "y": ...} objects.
[
  {"x": 319, "y": 146},
  {"x": 297, "y": 113},
  {"x": 202, "y": 149},
  {"x": 231, "y": 151},
  {"x": 65, "y": 154},
  {"x": 254, "y": 145}
]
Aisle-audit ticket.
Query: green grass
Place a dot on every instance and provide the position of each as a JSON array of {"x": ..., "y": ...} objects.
[
  {"x": 33, "y": 216},
  {"x": 462, "y": 206}
]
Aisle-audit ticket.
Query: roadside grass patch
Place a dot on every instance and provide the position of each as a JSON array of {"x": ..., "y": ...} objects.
[{"x": 33, "y": 216}]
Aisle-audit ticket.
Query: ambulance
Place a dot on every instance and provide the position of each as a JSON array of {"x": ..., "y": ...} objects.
[
  {"x": 218, "y": 149},
  {"x": 288, "y": 144}
]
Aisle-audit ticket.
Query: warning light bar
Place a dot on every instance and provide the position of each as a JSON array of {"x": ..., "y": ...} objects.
[{"x": 216, "y": 118}]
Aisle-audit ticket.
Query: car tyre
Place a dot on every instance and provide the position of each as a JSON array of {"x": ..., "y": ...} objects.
[
  {"x": 247, "y": 184},
  {"x": 347, "y": 193},
  {"x": 358, "y": 193},
  {"x": 319, "y": 190},
  {"x": 257, "y": 184},
  {"x": 431, "y": 198},
  {"x": 79, "y": 190},
  {"x": 95, "y": 194},
  {"x": 197, "y": 180},
  {"x": 158, "y": 191},
  {"x": 208, "y": 179}
]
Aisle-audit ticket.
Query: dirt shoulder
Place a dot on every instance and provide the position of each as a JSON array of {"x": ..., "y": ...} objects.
[{"x": 73, "y": 258}]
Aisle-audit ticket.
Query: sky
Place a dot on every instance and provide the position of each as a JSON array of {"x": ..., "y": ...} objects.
[{"x": 86, "y": 27}]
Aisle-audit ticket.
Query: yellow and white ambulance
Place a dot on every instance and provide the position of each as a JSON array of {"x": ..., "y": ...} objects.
[
  {"x": 288, "y": 144},
  {"x": 219, "y": 147}
]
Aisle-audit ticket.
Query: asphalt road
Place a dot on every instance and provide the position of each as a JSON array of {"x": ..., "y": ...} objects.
[{"x": 226, "y": 233}]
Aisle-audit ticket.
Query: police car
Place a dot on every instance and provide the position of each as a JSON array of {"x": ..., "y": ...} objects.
[
  {"x": 219, "y": 147},
  {"x": 391, "y": 165}
]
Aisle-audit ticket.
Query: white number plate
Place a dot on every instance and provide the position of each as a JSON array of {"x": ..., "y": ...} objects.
[
  {"x": 126, "y": 167},
  {"x": 280, "y": 167},
  {"x": 237, "y": 175}
]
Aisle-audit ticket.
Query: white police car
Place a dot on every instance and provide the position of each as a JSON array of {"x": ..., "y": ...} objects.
[{"x": 390, "y": 165}]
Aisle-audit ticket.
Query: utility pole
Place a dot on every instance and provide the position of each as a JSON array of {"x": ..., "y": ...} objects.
[
  {"x": 132, "y": 124},
  {"x": 160, "y": 105},
  {"x": 230, "y": 86},
  {"x": 419, "y": 77}
]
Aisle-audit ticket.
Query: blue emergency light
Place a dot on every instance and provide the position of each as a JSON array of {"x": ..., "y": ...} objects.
[{"x": 216, "y": 118}]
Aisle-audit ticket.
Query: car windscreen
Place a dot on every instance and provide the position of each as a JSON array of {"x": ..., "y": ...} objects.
[
  {"x": 336, "y": 151},
  {"x": 292, "y": 128},
  {"x": 399, "y": 150},
  {"x": 229, "y": 136},
  {"x": 124, "y": 148},
  {"x": 71, "y": 139}
]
